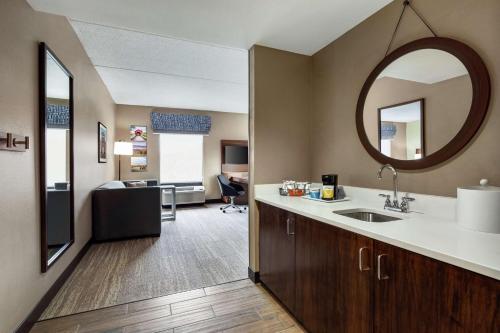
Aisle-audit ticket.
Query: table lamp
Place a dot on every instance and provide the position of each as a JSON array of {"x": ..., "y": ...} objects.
[
  {"x": 122, "y": 148},
  {"x": 418, "y": 153}
]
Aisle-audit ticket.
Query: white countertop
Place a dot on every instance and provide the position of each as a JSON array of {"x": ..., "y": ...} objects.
[{"x": 432, "y": 232}]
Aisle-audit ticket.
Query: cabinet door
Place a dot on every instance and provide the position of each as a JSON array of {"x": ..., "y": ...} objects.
[
  {"x": 277, "y": 253},
  {"x": 333, "y": 294},
  {"x": 414, "y": 293}
]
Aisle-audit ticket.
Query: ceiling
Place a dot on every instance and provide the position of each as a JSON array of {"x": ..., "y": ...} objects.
[
  {"x": 57, "y": 80},
  {"x": 402, "y": 114},
  {"x": 145, "y": 69},
  {"x": 425, "y": 66},
  {"x": 193, "y": 53},
  {"x": 302, "y": 26}
]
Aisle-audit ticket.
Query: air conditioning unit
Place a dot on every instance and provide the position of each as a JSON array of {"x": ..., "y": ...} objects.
[{"x": 185, "y": 195}]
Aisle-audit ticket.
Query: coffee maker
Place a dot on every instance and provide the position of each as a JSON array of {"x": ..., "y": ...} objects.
[{"x": 330, "y": 187}]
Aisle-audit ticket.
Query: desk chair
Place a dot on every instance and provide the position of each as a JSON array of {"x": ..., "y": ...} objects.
[{"x": 231, "y": 190}]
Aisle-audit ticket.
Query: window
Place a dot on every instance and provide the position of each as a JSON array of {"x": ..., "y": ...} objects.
[
  {"x": 57, "y": 156},
  {"x": 385, "y": 147},
  {"x": 181, "y": 158}
]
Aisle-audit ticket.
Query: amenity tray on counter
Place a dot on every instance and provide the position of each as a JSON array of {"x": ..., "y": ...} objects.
[{"x": 307, "y": 197}]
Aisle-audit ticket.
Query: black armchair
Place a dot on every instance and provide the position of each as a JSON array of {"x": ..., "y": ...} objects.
[{"x": 231, "y": 190}]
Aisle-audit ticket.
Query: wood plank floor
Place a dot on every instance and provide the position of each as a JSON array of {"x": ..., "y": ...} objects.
[
  {"x": 203, "y": 247},
  {"x": 239, "y": 306}
]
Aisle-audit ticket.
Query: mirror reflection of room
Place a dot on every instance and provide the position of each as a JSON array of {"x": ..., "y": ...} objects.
[
  {"x": 57, "y": 148},
  {"x": 401, "y": 130},
  {"x": 423, "y": 99}
]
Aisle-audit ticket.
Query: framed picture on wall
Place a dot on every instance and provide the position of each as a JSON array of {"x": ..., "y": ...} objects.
[
  {"x": 139, "y": 137},
  {"x": 102, "y": 143},
  {"x": 138, "y": 163}
]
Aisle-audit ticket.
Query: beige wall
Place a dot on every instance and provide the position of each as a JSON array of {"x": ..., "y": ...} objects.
[
  {"x": 341, "y": 68},
  {"x": 446, "y": 106},
  {"x": 280, "y": 95},
  {"x": 225, "y": 126},
  {"x": 398, "y": 144},
  {"x": 21, "y": 283}
]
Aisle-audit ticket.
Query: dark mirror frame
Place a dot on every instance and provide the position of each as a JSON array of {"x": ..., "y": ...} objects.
[
  {"x": 43, "y": 50},
  {"x": 481, "y": 90},
  {"x": 422, "y": 122}
]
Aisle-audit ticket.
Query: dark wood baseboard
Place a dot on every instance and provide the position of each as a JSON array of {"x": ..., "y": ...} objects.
[
  {"x": 37, "y": 311},
  {"x": 254, "y": 276}
]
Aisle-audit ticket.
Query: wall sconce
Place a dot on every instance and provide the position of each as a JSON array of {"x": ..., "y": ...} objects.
[{"x": 14, "y": 142}]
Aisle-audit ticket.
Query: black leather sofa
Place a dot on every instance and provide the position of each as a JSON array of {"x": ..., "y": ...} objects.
[
  {"x": 120, "y": 212},
  {"x": 58, "y": 217}
]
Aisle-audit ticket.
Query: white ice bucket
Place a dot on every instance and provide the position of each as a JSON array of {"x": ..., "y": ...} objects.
[{"x": 478, "y": 207}]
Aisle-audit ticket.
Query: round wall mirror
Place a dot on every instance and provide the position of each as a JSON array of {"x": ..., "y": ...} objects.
[{"x": 423, "y": 103}]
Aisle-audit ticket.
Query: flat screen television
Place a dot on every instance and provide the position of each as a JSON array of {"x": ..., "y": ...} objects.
[{"x": 236, "y": 155}]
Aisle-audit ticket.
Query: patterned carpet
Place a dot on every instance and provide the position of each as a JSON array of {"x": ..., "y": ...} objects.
[{"x": 202, "y": 248}]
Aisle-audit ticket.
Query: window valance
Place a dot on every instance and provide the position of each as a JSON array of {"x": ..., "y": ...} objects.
[
  {"x": 387, "y": 131},
  {"x": 57, "y": 116},
  {"x": 180, "y": 123}
]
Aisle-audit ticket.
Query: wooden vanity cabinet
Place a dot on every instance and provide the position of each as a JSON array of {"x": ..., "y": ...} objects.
[
  {"x": 414, "y": 293},
  {"x": 277, "y": 253},
  {"x": 406, "y": 291},
  {"x": 333, "y": 280},
  {"x": 332, "y": 294}
]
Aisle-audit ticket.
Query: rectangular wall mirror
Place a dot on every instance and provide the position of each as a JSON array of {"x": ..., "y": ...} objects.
[
  {"x": 401, "y": 130},
  {"x": 56, "y": 157}
]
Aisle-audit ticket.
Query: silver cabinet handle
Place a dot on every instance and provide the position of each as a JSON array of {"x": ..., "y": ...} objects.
[
  {"x": 379, "y": 269},
  {"x": 362, "y": 267},
  {"x": 289, "y": 230}
]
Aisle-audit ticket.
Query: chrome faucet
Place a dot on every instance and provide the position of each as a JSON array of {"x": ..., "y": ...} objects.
[
  {"x": 394, "y": 205},
  {"x": 395, "y": 201}
]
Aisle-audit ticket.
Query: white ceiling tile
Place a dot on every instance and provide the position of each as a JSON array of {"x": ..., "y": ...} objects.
[
  {"x": 139, "y": 88},
  {"x": 119, "y": 48}
]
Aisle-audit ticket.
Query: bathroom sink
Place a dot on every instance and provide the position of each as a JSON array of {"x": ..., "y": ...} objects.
[{"x": 366, "y": 215}]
